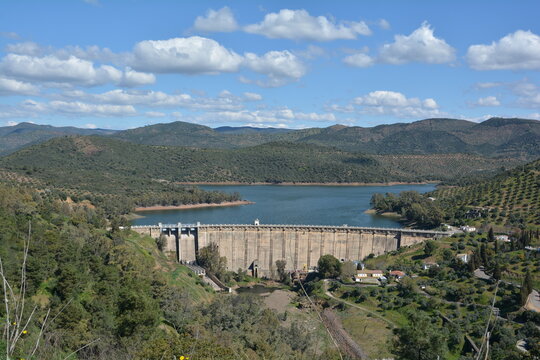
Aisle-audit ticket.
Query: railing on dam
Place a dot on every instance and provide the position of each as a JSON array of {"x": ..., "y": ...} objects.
[{"x": 289, "y": 226}]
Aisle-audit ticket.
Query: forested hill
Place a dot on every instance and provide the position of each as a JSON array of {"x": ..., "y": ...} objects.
[
  {"x": 109, "y": 165},
  {"x": 496, "y": 137},
  {"x": 511, "y": 198},
  {"x": 15, "y": 137},
  {"x": 508, "y": 200},
  {"x": 92, "y": 291}
]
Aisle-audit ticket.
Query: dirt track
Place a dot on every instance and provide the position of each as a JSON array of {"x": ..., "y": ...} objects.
[{"x": 345, "y": 342}]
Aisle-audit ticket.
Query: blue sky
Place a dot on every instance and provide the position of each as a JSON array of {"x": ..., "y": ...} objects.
[{"x": 124, "y": 64}]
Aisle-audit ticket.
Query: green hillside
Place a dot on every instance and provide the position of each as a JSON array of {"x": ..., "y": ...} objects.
[
  {"x": 508, "y": 200},
  {"x": 107, "y": 165},
  {"x": 496, "y": 137},
  {"x": 512, "y": 198},
  {"x": 24, "y": 134}
]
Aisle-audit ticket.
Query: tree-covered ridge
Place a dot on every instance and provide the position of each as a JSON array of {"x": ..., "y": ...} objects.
[
  {"x": 93, "y": 292},
  {"x": 496, "y": 137},
  {"x": 511, "y": 199},
  {"x": 24, "y": 134},
  {"x": 106, "y": 165}
]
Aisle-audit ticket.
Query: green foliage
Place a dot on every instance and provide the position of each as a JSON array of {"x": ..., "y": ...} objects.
[
  {"x": 413, "y": 206},
  {"x": 329, "y": 266},
  {"x": 421, "y": 339},
  {"x": 510, "y": 199},
  {"x": 208, "y": 257},
  {"x": 429, "y": 247},
  {"x": 114, "y": 294}
]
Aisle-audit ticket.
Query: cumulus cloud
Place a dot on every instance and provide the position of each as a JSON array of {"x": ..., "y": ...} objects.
[
  {"x": 78, "y": 108},
  {"x": 420, "y": 46},
  {"x": 279, "y": 66},
  {"x": 192, "y": 55},
  {"x": 383, "y": 102},
  {"x": 384, "y": 24},
  {"x": 14, "y": 87},
  {"x": 300, "y": 25},
  {"x": 488, "y": 101},
  {"x": 152, "y": 98},
  {"x": 487, "y": 85},
  {"x": 517, "y": 51},
  {"x": 92, "y": 52},
  {"x": 272, "y": 116},
  {"x": 90, "y": 126},
  {"x": 131, "y": 78},
  {"x": 359, "y": 60},
  {"x": 70, "y": 70},
  {"x": 52, "y": 69},
  {"x": 221, "y": 20},
  {"x": 250, "y": 96}
]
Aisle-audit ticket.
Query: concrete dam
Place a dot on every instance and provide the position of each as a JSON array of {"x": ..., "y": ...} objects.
[{"x": 256, "y": 248}]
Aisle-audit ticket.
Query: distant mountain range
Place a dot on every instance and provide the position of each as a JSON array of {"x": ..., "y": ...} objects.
[
  {"x": 24, "y": 134},
  {"x": 496, "y": 137}
]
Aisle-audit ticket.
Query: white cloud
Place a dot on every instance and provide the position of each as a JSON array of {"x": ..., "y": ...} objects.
[
  {"x": 311, "y": 52},
  {"x": 384, "y": 102},
  {"x": 279, "y": 66},
  {"x": 11, "y": 123},
  {"x": 71, "y": 70},
  {"x": 420, "y": 46},
  {"x": 359, "y": 60},
  {"x": 535, "y": 116},
  {"x": 78, "y": 108},
  {"x": 14, "y": 87},
  {"x": 25, "y": 48},
  {"x": 92, "y": 53},
  {"x": 488, "y": 101},
  {"x": 52, "y": 69},
  {"x": 90, "y": 126},
  {"x": 250, "y": 96},
  {"x": 488, "y": 85},
  {"x": 226, "y": 101},
  {"x": 221, "y": 20},
  {"x": 193, "y": 55},
  {"x": 384, "y": 24},
  {"x": 132, "y": 78},
  {"x": 300, "y": 25},
  {"x": 273, "y": 116},
  {"x": 517, "y": 51}
]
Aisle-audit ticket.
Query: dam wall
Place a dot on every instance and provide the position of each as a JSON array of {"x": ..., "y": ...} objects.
[{"x": 256, "y": 248}]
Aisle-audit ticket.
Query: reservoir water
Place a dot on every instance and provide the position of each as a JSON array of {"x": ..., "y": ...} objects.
[{"x": 295, "y": 205}]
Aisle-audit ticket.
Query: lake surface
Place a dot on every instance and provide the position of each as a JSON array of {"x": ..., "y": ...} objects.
[{"x": 295, "y": 205}]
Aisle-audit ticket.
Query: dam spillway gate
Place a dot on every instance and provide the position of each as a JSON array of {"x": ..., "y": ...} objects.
[{"x": 256, "y": 248}]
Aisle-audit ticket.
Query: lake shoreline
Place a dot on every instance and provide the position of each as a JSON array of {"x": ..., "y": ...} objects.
[
  {"x": 393, "y": 215},
  {"x": 192, "y": 206},
  {"x": 236, "y": 183}
]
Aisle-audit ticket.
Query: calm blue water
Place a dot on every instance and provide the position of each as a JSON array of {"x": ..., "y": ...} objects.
[{"x": 307, "y": 205}]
